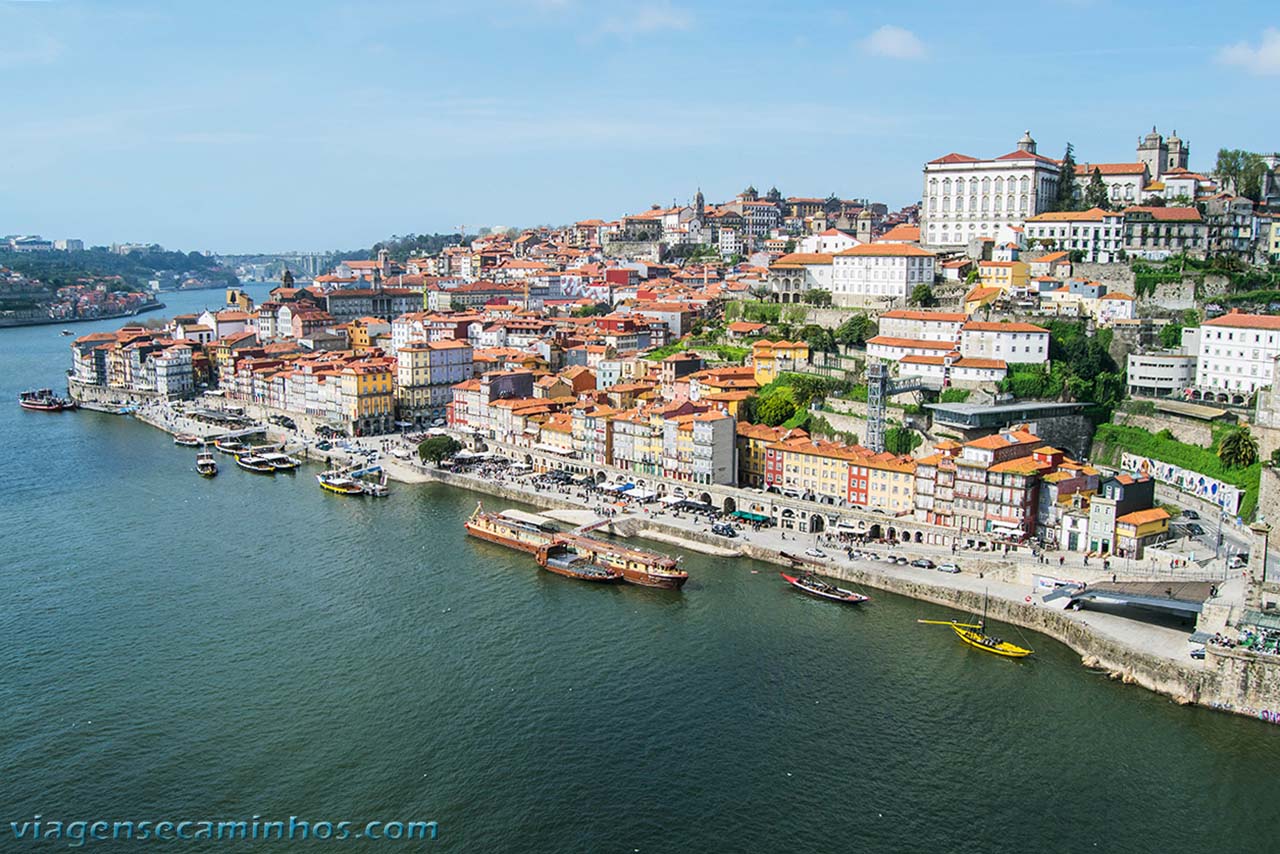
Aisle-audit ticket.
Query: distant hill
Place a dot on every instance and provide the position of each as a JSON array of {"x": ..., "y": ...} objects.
[
  {"x": 58, "y": 269},
  {"x": 402, "y": 248}
]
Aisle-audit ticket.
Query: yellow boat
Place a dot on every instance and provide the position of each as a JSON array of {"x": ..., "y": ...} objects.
[{"x": 975, "y": 635}]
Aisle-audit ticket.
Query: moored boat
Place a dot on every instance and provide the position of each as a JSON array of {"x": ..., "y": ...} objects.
[
  {"x": 206, "y": 465},
  {"x": 339, "y": 483},
  {"x": 282, "y": 462},
  {"x": 188, "y": 440},
  {"x": 637, "y": 566},
  {"x": 975, "y": 635},
  {"x": 254, "y": 463},
  {"x": 231, "y": 446},
  {"x": 512, "y": 529},
  {"x": 563, "y": 558},
  {"x": 807, "y": 582},
  {"x": 44, "y": 400}
]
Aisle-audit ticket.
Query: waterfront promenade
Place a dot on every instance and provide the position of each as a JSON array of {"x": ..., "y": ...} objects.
[{"x": 1154, "y": 655}]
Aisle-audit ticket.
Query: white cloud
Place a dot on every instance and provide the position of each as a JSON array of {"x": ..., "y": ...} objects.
[
  {"x": 1263, "y": 59},
  {"x": 647, "y": 19},
  {"x": 894, "y": 43}
]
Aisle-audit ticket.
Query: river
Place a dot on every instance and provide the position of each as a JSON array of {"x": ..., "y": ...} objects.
[{"x": 176, "y": 648}]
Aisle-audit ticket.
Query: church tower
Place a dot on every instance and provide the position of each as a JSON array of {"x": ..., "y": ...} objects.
[
  {"x": 1153, "y": 152},
  {"x": 1179, "y": 153},
  {"x": 1027, "y": 144},
  {"x": 699, "y": 205}
]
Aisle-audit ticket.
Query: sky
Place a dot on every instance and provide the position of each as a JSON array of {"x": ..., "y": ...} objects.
[{"x": 277, "y": 125}]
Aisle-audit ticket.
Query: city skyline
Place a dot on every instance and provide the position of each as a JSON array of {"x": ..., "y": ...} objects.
[{"x": 263, "y": 129}]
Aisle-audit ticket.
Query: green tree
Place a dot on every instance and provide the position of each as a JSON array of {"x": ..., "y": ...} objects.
[
  {"x": 437, "y": 448},
  {"x": 1095, "y": 194},
  {"x": 971, "y": 276},
  {"x": 1171, "y": 336},
  {"x": 1066, "y": 200},
  {"x": 748, "y": 409},
  {"x": 922, "y": 295},
  {"x": 1244, "y": 171},
  {"x": 818, "y": 297},
  {"x": 1238, "y": 448},
  {"x": 775, "y": 409},
  {"x": 819, "y": 338},
  {"x": 855, "y": 330},
  {"x": 901, "y": 440}
]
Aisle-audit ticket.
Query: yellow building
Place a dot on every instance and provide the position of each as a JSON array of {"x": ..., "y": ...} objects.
[
  {"x": 1005, "y": 275},
  {"x": 978, "y": 297},
  {"x": 770, "y": 358},
  {"x": 753, "y": 443},
  {"x": 368, "y": 402},
  {"x": 1135, "y": 531}
]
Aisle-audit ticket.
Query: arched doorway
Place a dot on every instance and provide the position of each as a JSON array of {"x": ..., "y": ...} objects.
[
  {"x": 730, "y": 505},
  {"x": 600, "y": 478},
  {"x": 906, "y": 536},
  {"x": 817, "y": 523},
  {"x": 893, "y": 534},
  {"x": 705, "y": 498},
  {"x": 919, "y": 537},
  {"x": 875, "y": 532}
]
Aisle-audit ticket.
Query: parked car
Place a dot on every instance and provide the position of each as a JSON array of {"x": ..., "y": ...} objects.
[
  {"x": 724, "y": 530},
  {"x": 818, "y": 553},
  {"x": 900, "y": 561},
  {"x": 1190, "y": 514},
  {"x": 1238, "y": 561},
  {"x": 922, "y": 563},
  {"x": 948, "y": 567},
  {"x": 1196, "y": 530},
  {"x": 1198, "y": 653}
]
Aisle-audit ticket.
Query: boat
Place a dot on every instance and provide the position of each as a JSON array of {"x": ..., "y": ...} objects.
[
  {"x": 187, "y": 440},
  {"x": 975, "y": 635},
  {"x": 66, "y": 332},
  {"x": 282, "y": 462},
  {"x": 378, "y": 489},
  {"x": 231, "y": 446},
  {"x": 339, "y": 483},
  {"x": 638, "y": 566},
  {"x": 563, "y": 558},
  {"x": 808, "y": 582},
  {"x": 255, "y": 463},
  {"x": 44, "y": 400},
  {"x": 513, "y": 529},
  {"x": 206, "y": 465}
]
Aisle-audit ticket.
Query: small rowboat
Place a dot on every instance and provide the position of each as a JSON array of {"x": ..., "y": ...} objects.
[{"x": 811, "y": 584}]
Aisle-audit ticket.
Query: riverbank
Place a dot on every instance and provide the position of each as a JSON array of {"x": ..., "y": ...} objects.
[
  {"x": 55, "y": 321},
  {"x": 1150, "y": 656}
]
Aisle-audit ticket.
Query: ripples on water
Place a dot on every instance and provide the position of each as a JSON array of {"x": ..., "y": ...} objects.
[{"x": 175, "y": 647}]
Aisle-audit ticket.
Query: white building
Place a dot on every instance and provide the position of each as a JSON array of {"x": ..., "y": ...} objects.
[
  {"x": 1124, "y": 181},
  {"x": 174, "y": 377},
  {"x": 1097, "y": 234},
  {"x": 968, "y": 197},
  {"x": 879, "y": 273},
  {"x": 922, "y": 325},
  {"x": 1159, "y": 374},
  {"x": 1237, "y": 355},
  {"x": 1114, "y": 306},
  {"x": 1023, "y": 343},
  {"x": 831, "y": 241},
  {"x": 951, "y": 369}
]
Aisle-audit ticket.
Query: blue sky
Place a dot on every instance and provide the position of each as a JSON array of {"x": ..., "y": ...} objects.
[{"x": 270, "y": 125}]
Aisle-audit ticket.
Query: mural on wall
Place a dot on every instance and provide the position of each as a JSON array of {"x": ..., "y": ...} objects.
[{"x": 1216, "y": 492}]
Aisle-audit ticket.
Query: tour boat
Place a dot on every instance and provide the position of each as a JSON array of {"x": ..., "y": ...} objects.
[
  {"x": 509, "y": 529},
  {"x": 231, "y": 446},
  {"x": 975, "y": 635},
  {"x": 378, "y": 489},
  {"x": 638, "y": 566},
  {"x": 255, "y": 463},
  {"x": 205, "y": 464},
  {"x": 282, "y": 462},
  {"x": 807, "y": 582},
  {"x": 44, "y": 400},
  {"x": 187, "y": 440},
  {"x": 339, "y": 483},
  {"x": 563, "y": 558}
]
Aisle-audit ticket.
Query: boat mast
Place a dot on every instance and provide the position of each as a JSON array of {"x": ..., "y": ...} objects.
[{"x": 983, "y": 624}]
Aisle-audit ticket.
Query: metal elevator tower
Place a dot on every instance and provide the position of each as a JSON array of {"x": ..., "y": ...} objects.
[{"x": 879, "y": 389}]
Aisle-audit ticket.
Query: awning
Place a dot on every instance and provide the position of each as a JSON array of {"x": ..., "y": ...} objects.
[
  {"x": 671, "y": 499},
  {"x": 751, "y": 517},
  {"x": 642, "y": 495}
]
